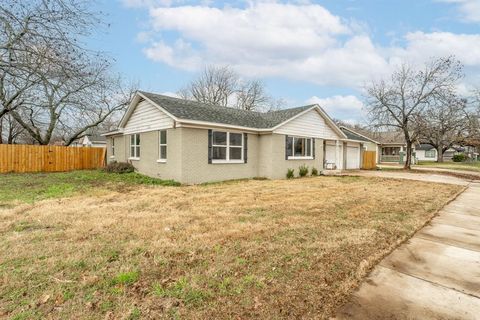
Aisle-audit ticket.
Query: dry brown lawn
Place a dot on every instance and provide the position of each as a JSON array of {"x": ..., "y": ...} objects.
[{"x": 237, "y": 250}]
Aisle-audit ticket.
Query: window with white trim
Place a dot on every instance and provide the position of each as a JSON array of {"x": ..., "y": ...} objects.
[
  {"x": 162, "y": 146},
  {"x": 112, "y": 148},
  {"x": 135, "y": 146},
  {"x": 227, "y": 147},
  {"x": 430, "y": 153},
  {"x": 299, "y": 148}
]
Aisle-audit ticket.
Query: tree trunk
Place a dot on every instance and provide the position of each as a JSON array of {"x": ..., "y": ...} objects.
[
  {"x": 408, "y": 158},
  {"x": 440, "y": 154},
  {"x": 1, "y": 130}
]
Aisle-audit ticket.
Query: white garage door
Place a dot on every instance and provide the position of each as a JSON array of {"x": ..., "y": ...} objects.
[
  {"x": 353, "y": 157},
  {"x": 330, "y": 153}
]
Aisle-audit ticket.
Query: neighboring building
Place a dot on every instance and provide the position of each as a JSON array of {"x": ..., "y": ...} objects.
[
  {"x": 192, "y": 142},
  {"x": 91, "y": 141},
  {"x": 392, "y": 147},
  {"x": 425, "y": 152}
]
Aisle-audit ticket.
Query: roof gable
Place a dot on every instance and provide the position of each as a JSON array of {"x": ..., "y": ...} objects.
[
  {"x": 311, "y": 123},
  {"x": 142, "y": 115}
]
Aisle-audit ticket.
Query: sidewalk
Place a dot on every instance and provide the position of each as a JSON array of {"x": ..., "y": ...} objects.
[{"x": 435, "y": 275}]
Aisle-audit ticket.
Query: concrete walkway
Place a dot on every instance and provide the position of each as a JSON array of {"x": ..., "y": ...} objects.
[
  {"x": 435, "y": 275},
  {"x": 473, "y": 174},
  {"x": 400, "y": 174}
]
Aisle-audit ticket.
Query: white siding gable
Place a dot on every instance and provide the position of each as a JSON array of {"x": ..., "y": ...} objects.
[
  {"x": 147, "y": 117},
  {"x": 310, "y": 124}
]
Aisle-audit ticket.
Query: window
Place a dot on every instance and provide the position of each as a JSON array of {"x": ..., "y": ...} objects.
[
  {"x": 162, "y": 149},
  {"x": 227, "y": 147},
  {"x": 430, "y": 153},
  {"x": 113, "y": 147},
  {"x": 299, "y": 148},
  {"x": 391, "y": 151},
  {"x": 135, "y": 146}
]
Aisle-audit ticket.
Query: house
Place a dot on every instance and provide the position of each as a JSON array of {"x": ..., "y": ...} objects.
[
  {"x": 192, "y": 142},
  {"x": 392, "y": 147},
  {"x": 426, "y": 152},
  {"x": 91, "y": 141}
]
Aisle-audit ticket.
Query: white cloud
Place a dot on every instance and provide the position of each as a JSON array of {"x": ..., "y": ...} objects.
[
  {"x": 340, "y": 107},
  {"x": 294, "y": 41},
  {"x": 469, "y": 9},
  {"x": 268, "y": 39},
  {"x": 421, "y": 46},
  {"x": 171, "y": 94},
  {"x": 180, "y": 53}
]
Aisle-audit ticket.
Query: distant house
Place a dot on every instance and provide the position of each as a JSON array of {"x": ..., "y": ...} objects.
[
  {"x": 392, "y": 146},
  {"x": 91, "y": 141},
  {"x": 194, "y": 142},
  {"x": 426, "y": 152}
]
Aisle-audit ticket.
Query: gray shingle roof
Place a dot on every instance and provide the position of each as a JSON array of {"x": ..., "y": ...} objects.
[
  {"x": 424, "y": 146},
  {"x": 192, "y": 110},
  {"x": 97, "y": 138},
  {"x": 389, "y": 137},
  {"x": 353, "y": 136}
]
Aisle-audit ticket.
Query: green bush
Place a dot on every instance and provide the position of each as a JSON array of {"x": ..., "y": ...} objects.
[
  {"x": 459, "y": 157},
  {"x": 314, "y": 171},
  {"x": 119, "y": 167},
  {"x": 290, "y": 173},
  {"x": 302, "y": 170}
]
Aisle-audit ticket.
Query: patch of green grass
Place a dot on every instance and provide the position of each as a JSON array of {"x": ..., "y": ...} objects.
[
  {"x": 181, "y": 289},
  {"x": 126, "y": 278},
  {"x": 467, "y": 166},
  {"x": 24, "y": 225},
  {"x": 135, "y": 314},
  {"x": 31, "y": 187}
]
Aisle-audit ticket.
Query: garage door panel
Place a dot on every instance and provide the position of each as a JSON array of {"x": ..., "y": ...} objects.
[
  {"x": 330, "y": 154},
  {"x": 353, "y": 157}
]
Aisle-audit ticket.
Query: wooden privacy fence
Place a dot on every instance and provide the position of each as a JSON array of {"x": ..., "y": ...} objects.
[
  {"x": 30, "y": 158},
  {"x": 369, "y": 160}
]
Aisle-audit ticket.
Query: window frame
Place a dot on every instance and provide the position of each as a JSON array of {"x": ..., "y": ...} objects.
[
  {"x": 293, "y": 156},
  {"x": 227, "y": 146},
  {"x": 160, "y": 145},
  {"x": 135, "y": 156}
]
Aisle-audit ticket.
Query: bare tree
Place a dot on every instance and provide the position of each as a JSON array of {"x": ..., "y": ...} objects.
[
  {"x": 29, "y": 32},
  {"x": 473, "y": 138},
  {"x": 251, "y": 96},
  {"x": 444, "y": 124},
  {"x": 10, "y": 130},
  {"x": 50, "y": 84},
  {"x": 215, "y": 85},
  {"x": 398, "y": 102},
  {"x": 223, "y": 86}
]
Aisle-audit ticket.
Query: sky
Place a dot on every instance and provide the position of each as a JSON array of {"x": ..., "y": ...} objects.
[{"x": 323, "y": 52}]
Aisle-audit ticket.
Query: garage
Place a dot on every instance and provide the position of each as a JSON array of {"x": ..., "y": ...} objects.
[{"x": 353, "y": 156}]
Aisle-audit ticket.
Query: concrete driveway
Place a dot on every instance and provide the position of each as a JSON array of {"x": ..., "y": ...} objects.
[{"x": 435, "y": 275}]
